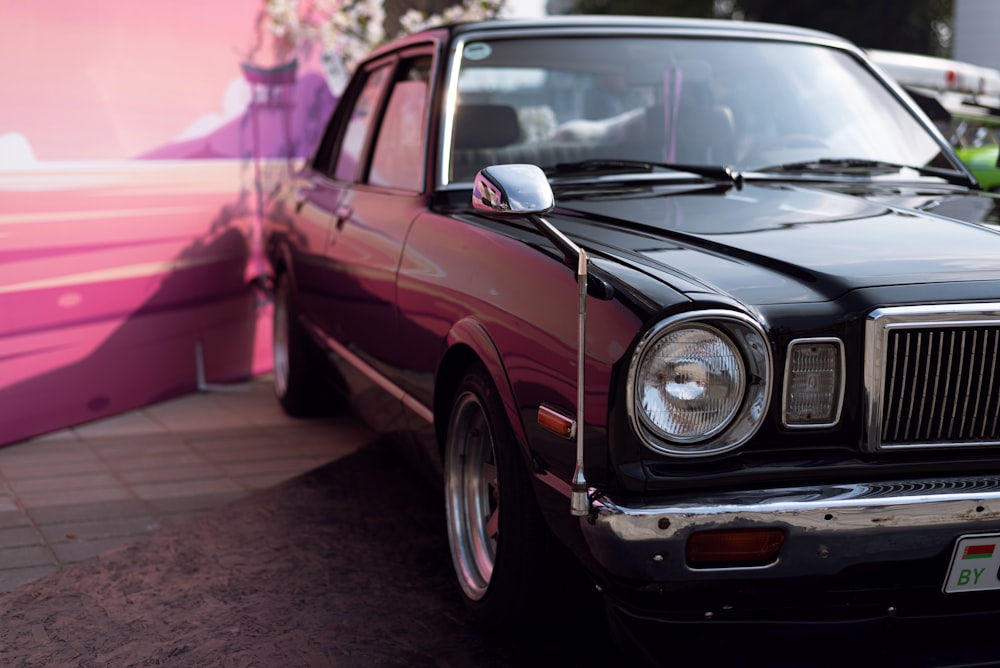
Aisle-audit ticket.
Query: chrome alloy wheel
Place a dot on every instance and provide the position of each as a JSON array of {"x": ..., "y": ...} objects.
[{"x": 472, "y": 495}]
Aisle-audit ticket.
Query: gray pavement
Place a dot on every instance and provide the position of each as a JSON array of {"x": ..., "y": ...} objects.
[{"x": 71, "y": 495}]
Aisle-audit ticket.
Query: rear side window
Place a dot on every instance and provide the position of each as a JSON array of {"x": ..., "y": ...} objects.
[
  {"x": 360, "y": 125},
  {"x": 398, "y": 160}
]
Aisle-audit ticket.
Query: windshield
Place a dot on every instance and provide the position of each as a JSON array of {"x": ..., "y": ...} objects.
[{"x": 748, "y": 104}]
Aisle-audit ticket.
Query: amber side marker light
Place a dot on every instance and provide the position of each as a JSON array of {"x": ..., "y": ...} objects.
[
  {"x": 556, "y": 422},
  {"x": 733, "y": 548}
]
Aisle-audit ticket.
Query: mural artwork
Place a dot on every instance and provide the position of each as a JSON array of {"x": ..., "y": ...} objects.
[{"x": 137, "y": 142}]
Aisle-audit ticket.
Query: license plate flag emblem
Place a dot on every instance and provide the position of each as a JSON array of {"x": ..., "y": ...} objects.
[
  {"x": 978, "y": 551},
  {"x": 974, "y": 564}
]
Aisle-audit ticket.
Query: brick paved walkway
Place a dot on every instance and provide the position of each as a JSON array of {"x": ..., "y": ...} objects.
[{"x": 70, "y": 495}]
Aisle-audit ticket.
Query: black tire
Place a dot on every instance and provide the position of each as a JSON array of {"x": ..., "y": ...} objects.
[
  {"x": 505, "y": 561},
  {"x": 297, "y": 384}
]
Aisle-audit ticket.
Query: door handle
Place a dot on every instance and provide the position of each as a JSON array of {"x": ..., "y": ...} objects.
[
  {"x": 341, "y": 216},
  {"x": 300, "y": 194}
]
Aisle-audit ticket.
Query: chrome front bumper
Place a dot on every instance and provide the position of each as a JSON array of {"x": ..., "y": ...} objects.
[{"x": 827, "y": 528}]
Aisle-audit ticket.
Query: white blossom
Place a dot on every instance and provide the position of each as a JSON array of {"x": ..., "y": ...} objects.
[{"x": 350, "y": 29}]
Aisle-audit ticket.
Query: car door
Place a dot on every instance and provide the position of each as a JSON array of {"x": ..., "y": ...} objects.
[
  {"x": 374, "y": 216},
  {"x": 311, "y": 202}
]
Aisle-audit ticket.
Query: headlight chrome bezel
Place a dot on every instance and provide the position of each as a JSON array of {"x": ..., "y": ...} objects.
[{"x": 748, "y": 339}]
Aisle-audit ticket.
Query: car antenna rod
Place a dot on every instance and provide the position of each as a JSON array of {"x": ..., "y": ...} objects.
[{"x": 579, "y": 501}]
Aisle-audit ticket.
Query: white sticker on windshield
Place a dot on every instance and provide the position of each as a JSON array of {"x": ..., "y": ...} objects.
[{"x": 477, "y": 51}]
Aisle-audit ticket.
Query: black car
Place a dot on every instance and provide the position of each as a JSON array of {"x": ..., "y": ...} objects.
[{"x": 733, "y": 348}]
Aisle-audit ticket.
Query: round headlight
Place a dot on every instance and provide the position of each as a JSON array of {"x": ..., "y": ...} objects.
[
  {"x": 691, "y": 383},
  {"x": 699, "y": 383}
]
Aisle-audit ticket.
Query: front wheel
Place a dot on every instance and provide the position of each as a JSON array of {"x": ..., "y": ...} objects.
[{"x": 502, "y": 552}]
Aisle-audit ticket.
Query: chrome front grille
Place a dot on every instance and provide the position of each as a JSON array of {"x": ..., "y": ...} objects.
[{"x": 932, "y": 376}]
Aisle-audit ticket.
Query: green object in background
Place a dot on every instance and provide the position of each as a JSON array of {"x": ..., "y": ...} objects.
[
  {"x": 975, "y": 135},
  {"x": 982, "y": 162},
  {"x": 963, "y": 100}
]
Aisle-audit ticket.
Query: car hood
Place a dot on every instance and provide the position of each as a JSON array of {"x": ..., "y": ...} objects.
[{"x": 794, "y": 242}]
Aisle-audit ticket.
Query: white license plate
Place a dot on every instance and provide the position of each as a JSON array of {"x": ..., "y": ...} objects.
[{"x": 975, "y": 564}]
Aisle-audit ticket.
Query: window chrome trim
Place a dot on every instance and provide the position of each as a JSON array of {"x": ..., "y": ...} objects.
[
  {"x": 447, "y": 111},
  {"x": 750, "y": 338},
  {"x": 880, "y": 323},
  {"x": 785, "y": 382}
]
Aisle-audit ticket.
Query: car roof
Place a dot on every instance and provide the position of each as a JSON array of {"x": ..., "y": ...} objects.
[
  {"x": 618, "y": 24},
  {"x": 612, "y": 23}
]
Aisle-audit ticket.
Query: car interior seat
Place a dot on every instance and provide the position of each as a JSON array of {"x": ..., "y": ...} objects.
[
  {"x": 705, "y": 131},
  {"x": 479, "y": 130}
]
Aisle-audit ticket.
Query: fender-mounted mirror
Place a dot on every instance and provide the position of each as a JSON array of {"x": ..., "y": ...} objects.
[{"x": 514, "y": 189}]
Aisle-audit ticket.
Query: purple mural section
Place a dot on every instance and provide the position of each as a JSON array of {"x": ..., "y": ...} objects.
[
  {"x": 284, "y": 119},
  {"x": 113, "y": 279},
  {"x": 128, "y": 280}
]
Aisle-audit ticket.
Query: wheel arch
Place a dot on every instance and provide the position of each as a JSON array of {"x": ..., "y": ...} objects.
[{"x": 469, "y": 343}]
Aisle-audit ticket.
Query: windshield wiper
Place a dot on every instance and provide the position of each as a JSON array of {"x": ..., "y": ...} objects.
[
  {"x": 864, "y": 166},
  {"x": 610, "y": 166}
]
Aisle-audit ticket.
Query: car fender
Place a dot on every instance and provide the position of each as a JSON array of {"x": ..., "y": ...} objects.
[{"x": 472, "y": 336}]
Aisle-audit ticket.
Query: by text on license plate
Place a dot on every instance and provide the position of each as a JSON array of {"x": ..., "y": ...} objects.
[{"x": 975, "y": 564}]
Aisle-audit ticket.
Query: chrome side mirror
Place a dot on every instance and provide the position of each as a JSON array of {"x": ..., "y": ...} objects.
[{"x": 512, "y": 189}]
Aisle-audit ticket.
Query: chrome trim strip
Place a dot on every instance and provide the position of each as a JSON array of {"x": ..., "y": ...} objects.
[
  {"x": 374, "y": 375},
  {"x": 880, "y": 323},
  {"x": 827, "y": 528},
  {"x": 448, "y": 112},
  {"x": 785, "y": 384},
  {"x": 833, "y": 507}
]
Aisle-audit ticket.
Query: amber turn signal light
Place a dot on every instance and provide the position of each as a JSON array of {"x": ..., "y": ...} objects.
[
  {"x": 556, "y": 422},
  {"x": 733, "y": 548}
]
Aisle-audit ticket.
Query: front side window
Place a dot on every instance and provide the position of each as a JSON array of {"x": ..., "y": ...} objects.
[{"x": 747, "y": 104}]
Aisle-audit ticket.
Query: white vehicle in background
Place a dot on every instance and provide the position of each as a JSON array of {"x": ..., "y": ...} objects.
[
  {"x": 938, "y": 74},
  {"x": 962, "y": 98}
]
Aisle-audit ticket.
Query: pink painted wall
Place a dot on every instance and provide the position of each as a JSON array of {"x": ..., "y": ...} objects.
[{"x": 129, "y": 169}]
